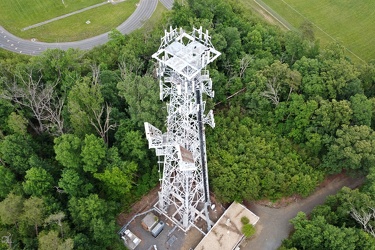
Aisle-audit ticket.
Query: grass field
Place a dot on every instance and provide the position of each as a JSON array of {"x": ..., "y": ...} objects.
[
  {"x": 155, "y": 18},
  {"x": 349, "y": 22},
  {"x": 18, "y": 14}
]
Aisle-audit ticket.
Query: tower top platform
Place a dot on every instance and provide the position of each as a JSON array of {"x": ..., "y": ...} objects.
[{"x": 186, "y": 54}]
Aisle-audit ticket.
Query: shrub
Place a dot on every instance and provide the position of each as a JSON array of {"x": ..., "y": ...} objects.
[
  {"x": 248, "y": 230},
  {"x": 245, "y": 220}
]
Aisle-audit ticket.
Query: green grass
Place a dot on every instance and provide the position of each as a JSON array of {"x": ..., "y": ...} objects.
[
  {"x": 18, "y": 14},
  {"x": 349, "y": 22},
  {"x": 155, "y": 18}
]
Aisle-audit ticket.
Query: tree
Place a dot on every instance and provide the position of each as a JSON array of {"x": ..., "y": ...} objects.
[
  {"x": 141, "y": 94},
  {"x": 131, "y": 143},
  {"x": 295, "y": 117},
  {"x": 362, "y": 110},
  {"x": 84, "y": 210},
  {"x": 33, "y": 212},
  {"x": 51, "y": 241},
  {"x": 16, "y": 150},
  {"x": 254, "y": 41},
  {"x": 340, "y": 79},
  {"x": 57, "y": 64},
  {"x": 295, "y": 47},
  {"x": 352, "y": 149},
  {"x": 39, "y": 97},
  {"x": 311, "y": 84},
  {"x": 7, "y": 181},
  {"x": 331, "y": 115},
  {"x": 307, "y": 30},
  {"x": 37, "y": 181},
  {"x": 102, "y": 128},
  {"x": 56, "y": 218},
  {"x": 93, "y": 153},
  {"x": 6, "y": 240},
  {"x": 84, "y": 101},
  {"x": 103, "y": 232},
  {"x": 17, "y": 123},
  {"x": 11, "y": 209},
  {"x": 365, "y": 217},
  {"x": 318, "y": 234},
  {"x": 279, "y": 82},
  {"x": 74, "y": 184},
  {"x": 117, "y": 182},
  {"x": 67, "y": 149}
]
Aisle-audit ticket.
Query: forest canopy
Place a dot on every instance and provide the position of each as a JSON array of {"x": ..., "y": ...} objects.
[{"x": 73, "y": 153}]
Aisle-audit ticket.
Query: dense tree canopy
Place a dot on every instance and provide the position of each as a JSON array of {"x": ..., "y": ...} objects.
[{"x": 73, "y": 152}]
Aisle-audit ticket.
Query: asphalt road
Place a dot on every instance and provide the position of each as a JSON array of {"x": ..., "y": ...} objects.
[
  {"x": 273, "y": 225},
  {"x": 143, "y": 12}
]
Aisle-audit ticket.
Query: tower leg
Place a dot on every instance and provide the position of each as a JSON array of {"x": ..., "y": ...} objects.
[{"x": 161, "y": 202}]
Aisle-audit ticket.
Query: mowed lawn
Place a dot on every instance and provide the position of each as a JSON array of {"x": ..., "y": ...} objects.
[
  {"x": 18, "y": 14},
  {"x": 349, "y": 22}
]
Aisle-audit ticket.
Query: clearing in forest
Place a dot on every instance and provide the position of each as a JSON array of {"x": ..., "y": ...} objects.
[{"x": 349, "y": 22}]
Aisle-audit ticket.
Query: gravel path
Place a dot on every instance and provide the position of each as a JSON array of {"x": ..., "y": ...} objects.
[
  {"x": 143, "y": 12},
  {"x": 274, "y": 225}
]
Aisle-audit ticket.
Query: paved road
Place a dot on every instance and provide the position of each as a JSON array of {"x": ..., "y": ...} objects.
[
  {"x": 274, "y": 225},
  {"x": 143, "y": 12}
]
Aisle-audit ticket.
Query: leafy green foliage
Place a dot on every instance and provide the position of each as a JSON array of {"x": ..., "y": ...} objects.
[
  {"x": 144, "y": 104},
  {"x": 117, "y": 182},
  {"x": 37, "y": 182},
  {"x": 7, "y": 181},
  {"x": 73, "y": 183},
  {"x": 260, "y": 165},
  {"x": 93, "y": 153},
  {"x": 84, "y": 101},
  {"x": 33, "y": 212},
  {"x": 286, "y": 113},
  {"x": 51, "y": 240},
  {"x": 362, "y": 110},
  {"x": 67, "y": 148},
  {"x": 245, "y": 220},
  {"x": 248, "y": 230},
  {"x": 16, "y": 151},
  {"x": 317, "y": 233},
  {"x": 352, "y": 149},
  {"x": 11, "y": 209}
]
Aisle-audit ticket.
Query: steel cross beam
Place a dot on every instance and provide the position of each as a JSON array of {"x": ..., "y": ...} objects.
[{"x": 182, "y": 59}]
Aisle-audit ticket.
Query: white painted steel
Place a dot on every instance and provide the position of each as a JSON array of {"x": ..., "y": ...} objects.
[{"x": 182, "y": 59}]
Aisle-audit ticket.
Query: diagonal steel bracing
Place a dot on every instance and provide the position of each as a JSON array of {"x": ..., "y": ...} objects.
[{"x": 182, "y": 59}]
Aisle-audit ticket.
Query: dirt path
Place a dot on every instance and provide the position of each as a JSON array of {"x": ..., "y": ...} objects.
[{"x": 274, "y": 225}]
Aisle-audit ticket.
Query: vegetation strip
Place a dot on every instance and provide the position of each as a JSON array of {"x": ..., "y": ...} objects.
[{"x": 272, "y": 13}]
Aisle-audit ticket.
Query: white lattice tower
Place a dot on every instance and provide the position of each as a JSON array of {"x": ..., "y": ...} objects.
[{"x": 182, "y": 60}]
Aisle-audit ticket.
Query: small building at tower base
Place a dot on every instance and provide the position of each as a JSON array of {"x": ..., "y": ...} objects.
[{"x": 226, "y": 234}]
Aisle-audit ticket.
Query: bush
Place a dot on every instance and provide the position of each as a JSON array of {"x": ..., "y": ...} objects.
[
  {"x": 245, "y": 220},
  {"x": 248, "y": 230}
]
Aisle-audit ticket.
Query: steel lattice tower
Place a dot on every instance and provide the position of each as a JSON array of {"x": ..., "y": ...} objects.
[{"x": 182, "y": 59}]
